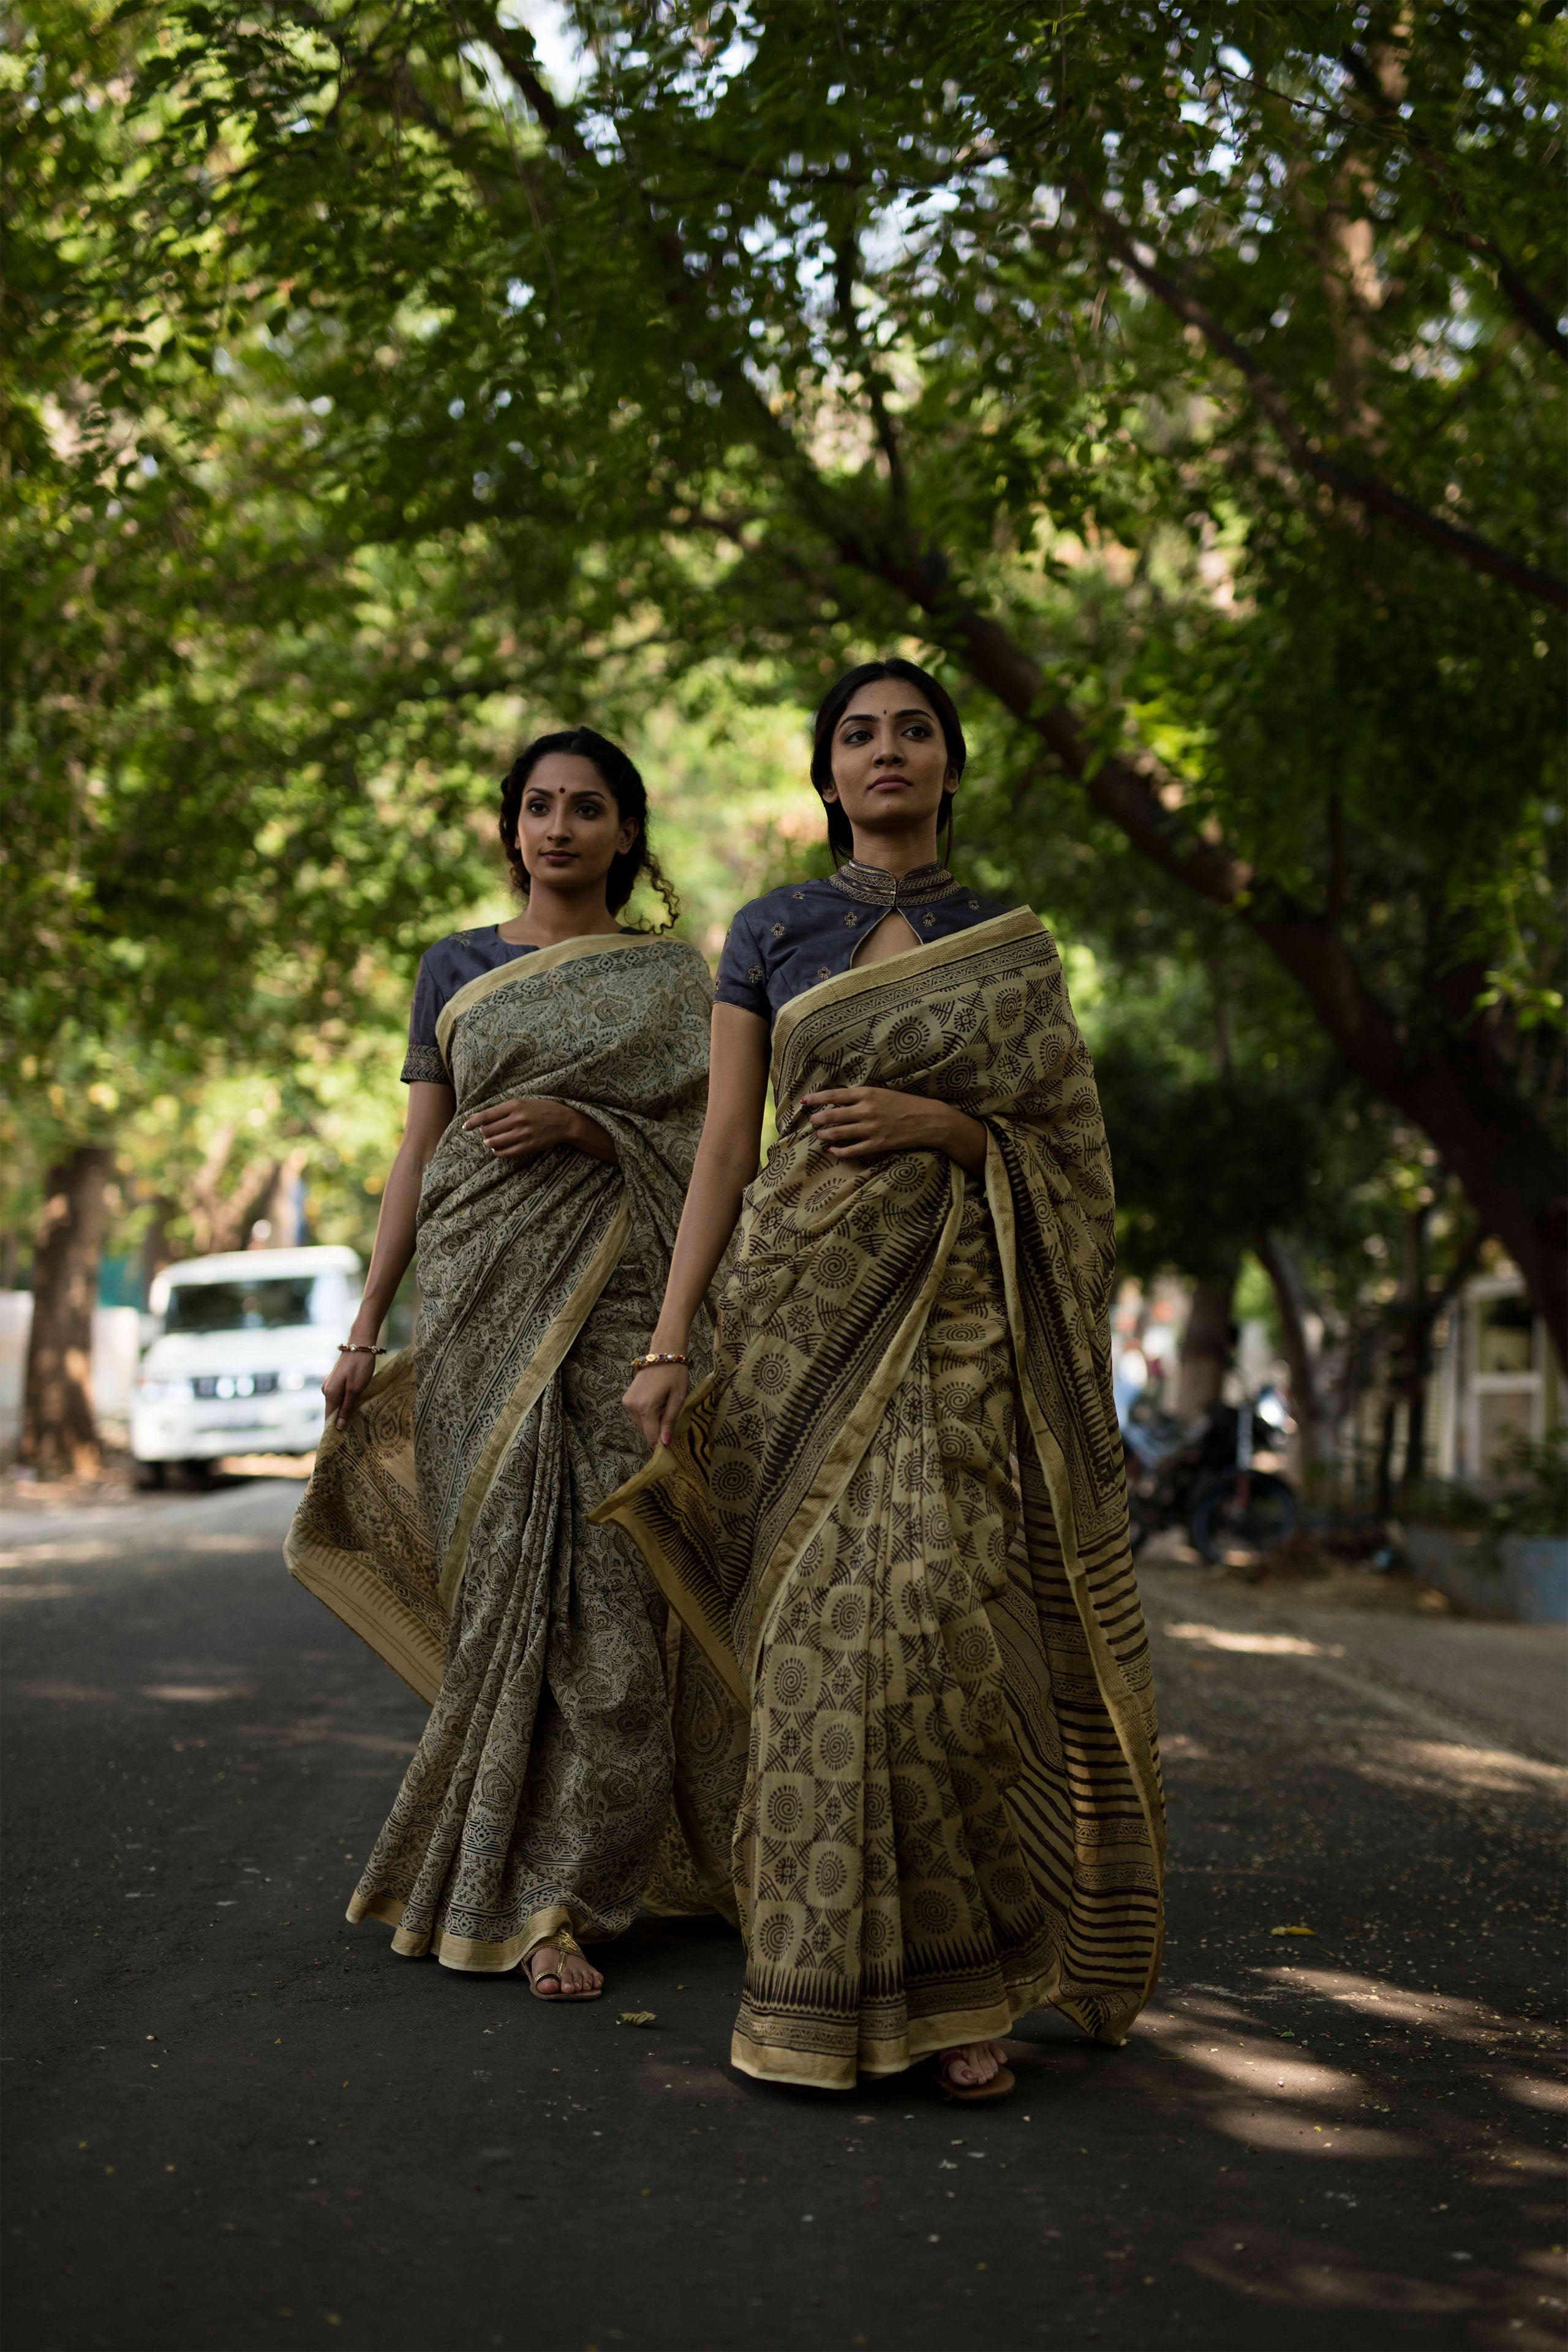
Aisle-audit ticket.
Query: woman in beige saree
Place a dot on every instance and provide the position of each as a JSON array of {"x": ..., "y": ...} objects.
[
  {"x": 558, "y": 1072},
  {"x": 895, "y": 1513}
]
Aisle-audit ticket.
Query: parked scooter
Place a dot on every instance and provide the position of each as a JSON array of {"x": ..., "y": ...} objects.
[{"x": 1204, "y": 1476}]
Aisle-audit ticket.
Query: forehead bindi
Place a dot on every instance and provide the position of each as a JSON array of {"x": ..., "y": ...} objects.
[
  {"x": 563, "y": 774},
  {"x": 872, "y": 706}
]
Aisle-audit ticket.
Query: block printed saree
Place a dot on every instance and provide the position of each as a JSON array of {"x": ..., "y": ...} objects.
[
  {"x": 895, "y": 1516},
  {"x": 580, "y": 1753}
]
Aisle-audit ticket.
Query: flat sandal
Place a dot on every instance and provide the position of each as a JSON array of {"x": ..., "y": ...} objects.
[
  {"x": 966, "y": 2093},
  {"x": 563, "y": 1942}
]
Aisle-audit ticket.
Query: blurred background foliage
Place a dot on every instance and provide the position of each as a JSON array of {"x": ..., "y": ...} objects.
[{"x": 1186, "y": 383}]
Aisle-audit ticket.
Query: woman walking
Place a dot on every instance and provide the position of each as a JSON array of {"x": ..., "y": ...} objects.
[
  {"x": 557, "y": 1070},
  {"x": 895, "y": 1515}
]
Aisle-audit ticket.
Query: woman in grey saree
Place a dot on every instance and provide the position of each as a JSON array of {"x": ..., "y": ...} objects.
[
  {"x": 894, "y": 1513},
  {"x": 578, "y": 1757}
]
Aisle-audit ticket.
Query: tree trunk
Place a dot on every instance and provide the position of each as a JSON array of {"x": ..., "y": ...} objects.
[
  {"x": 1410, "y": 1364},
  {"x": 1383, "y": 1475},
  {"x": 1206, "y": 1346},
  {"x": 156, "y": 1253},
  {"x": 1274, "y": 1258},
  {"x": 60, "y": 1435},
  {"x": 277, "y": 1219}
]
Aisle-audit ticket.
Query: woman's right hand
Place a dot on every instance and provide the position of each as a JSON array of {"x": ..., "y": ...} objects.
[
  {"x": 655, "y": 1397},
  {"x": 345, "y": 1384}
]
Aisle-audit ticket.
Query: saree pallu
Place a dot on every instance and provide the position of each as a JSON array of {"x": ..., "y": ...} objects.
[
  {"x": 895, "y": 1516},
  {"x": 579, "y": 1755}
]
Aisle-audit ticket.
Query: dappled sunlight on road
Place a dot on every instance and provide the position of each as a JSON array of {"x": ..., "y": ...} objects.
[
  {"x": 1459, "y": 2020},
  {"x": 1271, "y": 2267},
  {"x": 324, "y": 1731},
  {"x": 1535, "y": 2091},
  {"x": 82, "y": 1551},
  {"x": 209, "y": 1687},
  {"x": 1254, "y": 1645},
  {"x": 1455, "y": 1767},
  {"x": 1350, "y": 2119},
  {"x": 197, "y": 1694}
]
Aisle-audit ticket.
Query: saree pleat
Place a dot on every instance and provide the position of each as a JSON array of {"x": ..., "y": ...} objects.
[
  {"x": 579, "y": 1756},
  {"x": 895, "y": 1517}
]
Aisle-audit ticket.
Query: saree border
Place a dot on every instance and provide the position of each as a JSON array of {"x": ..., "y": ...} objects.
[
  {"x": 469, "y": 1955},
  {"x": 546, "y": 1360},
  {"x": 1119, "y": 1705},
  {"x": 676, "y": 1462},
  {"x": 931, "y": 956},
  {"x": 356, "y": 1598},
  {"x": 848, "y": 1450},
  {"x": 505, "y": 975}
]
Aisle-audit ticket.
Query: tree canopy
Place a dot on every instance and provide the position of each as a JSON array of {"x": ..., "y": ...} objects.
[
  {"x": 1186, "y": 383},
  {"x": 1187, "y": 380}
]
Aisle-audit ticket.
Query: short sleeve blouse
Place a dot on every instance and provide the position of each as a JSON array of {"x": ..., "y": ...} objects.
[
  {"x": 782, "y": 944},
  {"x": 449, "y": 965}
]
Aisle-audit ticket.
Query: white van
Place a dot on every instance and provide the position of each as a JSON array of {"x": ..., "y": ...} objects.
[{"x": 247, "y": 1340}]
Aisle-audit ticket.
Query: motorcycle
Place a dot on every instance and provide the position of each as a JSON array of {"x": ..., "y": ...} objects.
[{"x": 1205, "y": 1476}]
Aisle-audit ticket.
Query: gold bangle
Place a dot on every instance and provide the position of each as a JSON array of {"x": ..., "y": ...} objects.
[
  {"x": 641, "y": 1363},
  {"x": 357, "y": 1348}
]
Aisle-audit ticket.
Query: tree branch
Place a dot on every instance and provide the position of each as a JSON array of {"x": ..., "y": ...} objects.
[
  {"x": 1366, "y": 491},
  {"x": 1527, "y": 304}
]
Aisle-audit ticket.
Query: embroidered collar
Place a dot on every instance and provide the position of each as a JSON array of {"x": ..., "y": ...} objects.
[{"x": 877, "y": 887}]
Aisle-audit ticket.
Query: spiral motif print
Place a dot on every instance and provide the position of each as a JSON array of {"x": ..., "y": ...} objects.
[{"x": 920, "y": 1538}]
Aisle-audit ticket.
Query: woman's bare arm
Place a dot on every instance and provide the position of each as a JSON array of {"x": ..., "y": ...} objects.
[
  {"x": 726, "y": 1163},
  {"x": 430, "y": 1113}
]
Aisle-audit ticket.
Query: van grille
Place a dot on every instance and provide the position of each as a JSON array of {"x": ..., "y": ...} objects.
[{"x": 242, "y": 1384}]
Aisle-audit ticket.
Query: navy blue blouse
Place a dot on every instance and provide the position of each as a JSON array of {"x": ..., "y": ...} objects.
[
  {"x": 809, "y": 931},
  {"x": 449, "y": 965}
]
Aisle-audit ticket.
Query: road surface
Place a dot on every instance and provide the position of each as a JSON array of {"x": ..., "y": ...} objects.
[{"x": 234, "y": 2121}]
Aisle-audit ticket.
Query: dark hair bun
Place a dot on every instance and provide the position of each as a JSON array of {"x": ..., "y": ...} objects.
[
  {"x": 836, "y": 701},
  {"x": 630, "y": 797}
]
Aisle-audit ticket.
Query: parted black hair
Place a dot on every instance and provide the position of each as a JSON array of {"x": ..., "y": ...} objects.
[
  {"x": 630, "y": 796},
  {"x": 831, "y": 710}
]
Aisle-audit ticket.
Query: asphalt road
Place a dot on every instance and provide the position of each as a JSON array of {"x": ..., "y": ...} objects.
[{"x": 232, "y": 2121}]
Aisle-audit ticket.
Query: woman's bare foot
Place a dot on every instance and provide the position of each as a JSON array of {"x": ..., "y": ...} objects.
[
  {"x": 557, "y": 1974},
  {"x": 973, "y": 2070}
]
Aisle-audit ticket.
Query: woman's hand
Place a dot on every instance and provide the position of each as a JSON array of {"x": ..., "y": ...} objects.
[
  {"x": 522, "y": 1131},
  {"x": 866, "y": 1122},
  {"x": 655, "y": 1397},
  {"x": 345, "y": 1384}
]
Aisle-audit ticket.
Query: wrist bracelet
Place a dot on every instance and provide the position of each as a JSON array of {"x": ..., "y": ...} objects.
[
  {"x": 641, "y": 1363},
  {"x": 355, "y": 1348}
]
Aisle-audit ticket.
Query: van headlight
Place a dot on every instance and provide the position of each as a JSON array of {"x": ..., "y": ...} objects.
[
  {"x": 161, "y": 1391},
  {"x": 293, "y": 1380}
]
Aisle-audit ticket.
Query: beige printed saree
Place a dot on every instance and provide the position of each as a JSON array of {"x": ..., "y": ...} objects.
[
  {"x": 577, "y": 1750},
  {"x": 895, "y": 1517}
]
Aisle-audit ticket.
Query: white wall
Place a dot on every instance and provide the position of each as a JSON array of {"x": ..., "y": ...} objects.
[{"x": 116, "y": 1347}]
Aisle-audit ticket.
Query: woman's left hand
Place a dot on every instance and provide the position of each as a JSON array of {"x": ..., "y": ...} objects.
[
  {"x": 865, "y": 1122},
  {"x": 522, "y": 1131}
]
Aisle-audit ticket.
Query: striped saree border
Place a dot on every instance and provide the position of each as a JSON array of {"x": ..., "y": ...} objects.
[{"x": 1126, "y": 1716}]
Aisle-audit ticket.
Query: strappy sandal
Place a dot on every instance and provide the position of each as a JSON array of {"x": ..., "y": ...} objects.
[
  {"x": 1001, "y": 2083},
  {"x": 561, "y": 1942}
]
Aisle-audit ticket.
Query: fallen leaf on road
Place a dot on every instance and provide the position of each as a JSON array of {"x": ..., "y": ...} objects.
[
  {"x": 1292, "y": 1931},
  {"x": 636, "y": 2017}
]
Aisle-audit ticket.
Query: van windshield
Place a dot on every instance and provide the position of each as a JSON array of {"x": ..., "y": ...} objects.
[{"x": 275, "y": 1305}]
